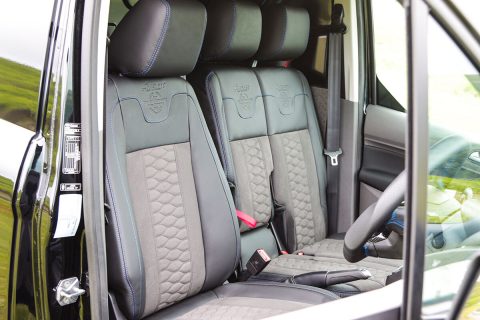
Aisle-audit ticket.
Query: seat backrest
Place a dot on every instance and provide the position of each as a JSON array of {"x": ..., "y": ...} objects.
[
  {"x": 172, "y": 230},
  {"x": 232, "y": 102},
  {"x": 299, "y": 177}
]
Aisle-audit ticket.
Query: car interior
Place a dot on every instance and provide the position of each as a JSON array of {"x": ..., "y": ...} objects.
[
  {"x": 240, "y": 159},
  {"x": 216, "y": 175}
]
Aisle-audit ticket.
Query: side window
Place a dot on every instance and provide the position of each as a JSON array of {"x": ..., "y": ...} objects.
[
  {"x": 22, "y": 55},
  {"x": 453, "y": 194},
  {"x": 390, "y": 53}
]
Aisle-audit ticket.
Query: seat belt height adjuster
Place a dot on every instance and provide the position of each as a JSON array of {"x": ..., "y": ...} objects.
[{"x": 333, "y": 155}]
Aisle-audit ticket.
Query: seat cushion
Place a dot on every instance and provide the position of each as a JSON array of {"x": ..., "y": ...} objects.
[
  {"x": 248, "y": 300},
  {"x": 327, "y": 255}
]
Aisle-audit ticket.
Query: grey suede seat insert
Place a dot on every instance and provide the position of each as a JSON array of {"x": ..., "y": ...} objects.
[
  {"x": 172, "y": 233},
  {"x": 276, "y": 136}
]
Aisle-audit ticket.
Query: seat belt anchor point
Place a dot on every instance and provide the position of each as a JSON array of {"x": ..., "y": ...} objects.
[{"x": 333, "y": 155}]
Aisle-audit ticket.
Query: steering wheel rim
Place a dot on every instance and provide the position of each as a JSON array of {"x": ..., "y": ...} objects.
[
  {"x": 377, "y": 214},
  {"x": 373, "y": 218}
]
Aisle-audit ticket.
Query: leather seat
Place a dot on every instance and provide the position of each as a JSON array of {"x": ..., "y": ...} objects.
[
  {"x": 264, "y": 125},
  {"x": 172, "y": 235},
  {"x": 232, "y": 102}
]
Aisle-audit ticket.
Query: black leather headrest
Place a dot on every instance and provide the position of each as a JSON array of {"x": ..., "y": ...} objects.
[
  {"x": 285, "y": 32},
  {"x": 158, "y": 38},
  {"x": 233, "y": 30}
]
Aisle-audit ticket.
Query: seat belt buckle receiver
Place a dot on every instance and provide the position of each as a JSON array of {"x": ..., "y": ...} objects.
[
  {"x": 257, "y": 262},
  {"x": 333, "y": 155}
]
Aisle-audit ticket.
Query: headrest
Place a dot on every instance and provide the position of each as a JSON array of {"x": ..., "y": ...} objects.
[
  {"x": 158, "y": 38},
  {"x": 285, "y": 32},
  {"x": 233, "y": 30}
]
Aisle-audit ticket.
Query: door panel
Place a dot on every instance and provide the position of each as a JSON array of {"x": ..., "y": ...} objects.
[
  {"x": 383, "y": 152},
  {"x": 385, "y": 127}
]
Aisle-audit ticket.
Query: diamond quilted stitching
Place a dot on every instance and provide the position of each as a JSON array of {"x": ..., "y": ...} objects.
[
  {"x": 226, "y": 308},
  {"x": 299, "y": 190},
  {"x": 169, "y": 225},
  {"x": 259, "y": 180}
]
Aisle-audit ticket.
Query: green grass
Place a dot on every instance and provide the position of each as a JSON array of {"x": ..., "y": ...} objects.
[
  {"x": 459, "y": 185},
  {"x": 19, "y": 93},
  {"x": 6, "y": 232}
]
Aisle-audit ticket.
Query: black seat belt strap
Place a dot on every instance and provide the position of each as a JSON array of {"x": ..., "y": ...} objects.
[
  {"x": 333, "y": 150},
  {"x": 277, "y": 209}
]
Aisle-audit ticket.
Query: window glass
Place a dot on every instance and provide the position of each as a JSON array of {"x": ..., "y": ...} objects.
[
  {"x": 22, "y": 53},
  {"x": 453, "y": 194},
  {"x": 471, "y": 307},
  {"x": 320, "y": 53},
  {"x": 118, "y": 10},
  {"x": 469, "y": 8},
  {"x": 24, "y": 26},
  {"x": 390, "y": 47}
]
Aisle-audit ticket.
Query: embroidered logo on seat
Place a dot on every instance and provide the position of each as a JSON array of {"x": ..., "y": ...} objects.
[
  {"x": 284, "y": 99},
  {"x": 154, "y": 101},
  {"x": 244, "y": 101}
]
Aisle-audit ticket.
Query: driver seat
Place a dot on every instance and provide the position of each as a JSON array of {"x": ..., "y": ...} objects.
[{"x": 172, "y": 235}]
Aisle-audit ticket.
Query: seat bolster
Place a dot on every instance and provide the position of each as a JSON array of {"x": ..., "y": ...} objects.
[
  {"x": 317, "y": 143},
  {"x": 127, "y": 275},
  {"x": 207, "y": 88},
  {"x": 217, "y": 115},
  {"x": 217, "y": 211},
  {"x": 246, "y": 300}
]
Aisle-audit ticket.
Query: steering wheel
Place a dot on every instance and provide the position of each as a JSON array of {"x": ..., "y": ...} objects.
[{"x": 377, "y": 215}]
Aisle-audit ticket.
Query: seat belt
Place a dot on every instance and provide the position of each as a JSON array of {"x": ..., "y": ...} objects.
[{"x": 333, "y": 150}]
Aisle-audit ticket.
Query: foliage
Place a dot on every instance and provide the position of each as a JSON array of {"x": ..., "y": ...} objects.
[{"x": 19, "y": 85}]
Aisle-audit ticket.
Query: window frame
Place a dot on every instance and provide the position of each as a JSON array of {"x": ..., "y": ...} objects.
[
  {"x": 374, "y": 85},
  {"x": 35, "y": 144}
]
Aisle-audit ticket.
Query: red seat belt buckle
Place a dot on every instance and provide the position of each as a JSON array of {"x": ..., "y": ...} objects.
[
  {"x": 283, "y": 252},
  {"x": 248, "y": 220}
]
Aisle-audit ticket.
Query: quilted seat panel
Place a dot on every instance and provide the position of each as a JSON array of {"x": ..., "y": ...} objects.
[
  {"x": 253, "y": 166},
  {"x": 299, "y": 189},
  {"x": 242, "y": 308},
  {"x": 164, "y": 217},
  {"x": 296, "y": 186}
]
